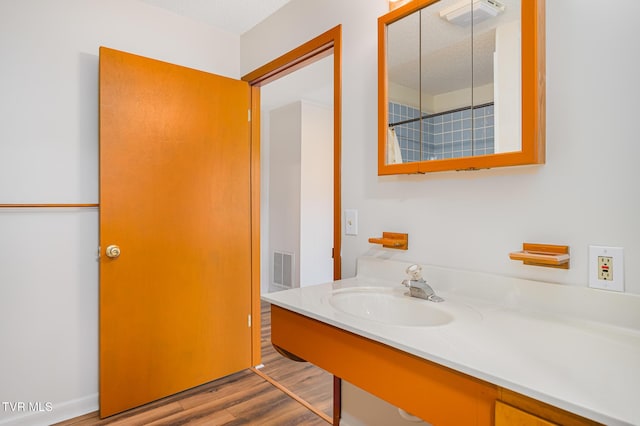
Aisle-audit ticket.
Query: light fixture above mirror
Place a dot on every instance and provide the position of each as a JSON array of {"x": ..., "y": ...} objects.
[
  {"x": 464, "y": 12},
  {"x": 394, "y": 4}
]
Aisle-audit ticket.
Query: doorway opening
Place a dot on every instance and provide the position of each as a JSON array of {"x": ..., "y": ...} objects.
[{"x": 296, "y": 134}]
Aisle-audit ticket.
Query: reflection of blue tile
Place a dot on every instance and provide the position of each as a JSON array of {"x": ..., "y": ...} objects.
[
  {"x": 466, "y": 145},
  {"x": 467, "y": 153},
  {"x": 457, "y": 115},
  {"x": 467, "y": 123},
  {"x": 466, "y": 135},
  {"x": 447, "y": 127},
  {"x": 457, "y": 146},
  {"x": 457, "y": 136},
  {"x": 437, "y": 129},
  {"x": 478, "y": 134},
  {"x": 457, "y": 125},
  {"x": 438, "y": 138},
  {"x": 447, "y": 137},
  {"x": 490, "y": 109},
  {"x": 489, "y": 132},
  {"x": 466, "y": 113},
  {"x": 437, "y": 119}
]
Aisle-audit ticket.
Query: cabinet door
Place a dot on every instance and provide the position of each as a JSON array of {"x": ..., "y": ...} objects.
[{"x": 507, "y": 415}]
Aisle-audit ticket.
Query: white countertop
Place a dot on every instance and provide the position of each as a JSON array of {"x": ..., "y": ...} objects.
[{"x": 572, "y": 347}]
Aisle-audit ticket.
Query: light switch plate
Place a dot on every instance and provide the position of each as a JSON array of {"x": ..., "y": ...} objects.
[
  {"x": 351, "y": 222},
  {"x": 606, "y": 268}
]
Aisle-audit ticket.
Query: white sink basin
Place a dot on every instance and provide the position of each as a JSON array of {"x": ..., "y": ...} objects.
[{"x": 388, "y": 307}]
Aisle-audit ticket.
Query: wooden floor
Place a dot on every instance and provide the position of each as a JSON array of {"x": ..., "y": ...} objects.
[
  {"x": 243, "y": 398},
  {"x": 309, "y": 382}
]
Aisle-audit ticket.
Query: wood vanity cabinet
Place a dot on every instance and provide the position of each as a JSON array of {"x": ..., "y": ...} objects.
[
  {"x": 507, "y": 415},
  {"x": 438, "y": 394},
  {"x": 515, "y": 409}
]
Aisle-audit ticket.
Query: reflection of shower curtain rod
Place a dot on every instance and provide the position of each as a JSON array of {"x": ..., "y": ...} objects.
[{"x": 424, "y": 117}]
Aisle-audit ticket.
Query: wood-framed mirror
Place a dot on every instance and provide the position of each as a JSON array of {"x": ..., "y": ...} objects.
[{"x": 461, "y": 85}]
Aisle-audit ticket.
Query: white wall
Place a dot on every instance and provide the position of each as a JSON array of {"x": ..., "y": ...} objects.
[
  {"x": 316, "y": 195},
  {"x": 284, "y": 144},
  {"x": 300, "y": 192},
  {"x": 472, "y": 220},
  {"x": 586, "y": 193},
  {"x": 312, "y": 83},
  {"x": 49, "y": 154}
]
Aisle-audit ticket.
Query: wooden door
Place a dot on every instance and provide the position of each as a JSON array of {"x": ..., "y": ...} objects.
[{"x": 175, "y": 197}]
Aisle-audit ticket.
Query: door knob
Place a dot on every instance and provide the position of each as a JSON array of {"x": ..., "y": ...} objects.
[{"x": 113, "y": 251}]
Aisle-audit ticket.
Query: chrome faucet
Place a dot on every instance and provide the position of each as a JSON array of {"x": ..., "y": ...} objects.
[{"x": 418, "y": 287}]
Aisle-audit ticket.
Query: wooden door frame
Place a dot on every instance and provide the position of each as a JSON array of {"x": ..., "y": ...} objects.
[{"x": 318, "y": 48}]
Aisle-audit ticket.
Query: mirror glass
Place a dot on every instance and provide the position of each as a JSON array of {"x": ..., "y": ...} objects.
[
  {"x": 447, "y": 83},
  {"x": 453, "y": 71},
  {"x": 404, "y": 94}
]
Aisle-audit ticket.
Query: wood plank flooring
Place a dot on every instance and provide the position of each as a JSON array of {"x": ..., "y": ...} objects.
[
  {"x": 243, "y": 398},
  {"x": 309, "y": 382}
]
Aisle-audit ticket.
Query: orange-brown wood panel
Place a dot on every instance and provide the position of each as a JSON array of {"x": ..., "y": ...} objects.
[
  {"x": 336, "y": 34},
  {"x": 175, "y": 182},
  {"x": 255, "y": 226},
  {"x": 507, "y": 415},
  {"x": 545, "y": 411},
  {"x": 437, "y": 394}
]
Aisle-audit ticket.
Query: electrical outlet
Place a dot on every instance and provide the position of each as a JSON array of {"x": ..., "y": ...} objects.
[{"x": 606, "y": 268}]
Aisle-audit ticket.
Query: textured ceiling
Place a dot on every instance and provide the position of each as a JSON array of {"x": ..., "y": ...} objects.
[{"x": 234, "y": 16}]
